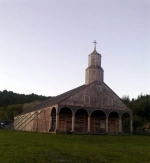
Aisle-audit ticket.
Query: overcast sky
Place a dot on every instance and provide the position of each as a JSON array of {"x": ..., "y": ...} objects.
[{"x": 44, "y": 44}]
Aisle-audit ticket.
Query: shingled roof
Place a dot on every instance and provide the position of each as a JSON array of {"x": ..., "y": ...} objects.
[{"x": 55, "y": 100}]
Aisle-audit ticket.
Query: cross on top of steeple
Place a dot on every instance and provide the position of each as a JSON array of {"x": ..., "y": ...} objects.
[{"x": 95, "y": 44}]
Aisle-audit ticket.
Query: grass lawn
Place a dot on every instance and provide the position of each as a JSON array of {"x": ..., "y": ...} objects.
[{"x": 24, "y": 147}]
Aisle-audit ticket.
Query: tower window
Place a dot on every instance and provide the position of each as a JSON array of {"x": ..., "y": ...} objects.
[
  {"x": 99, "y": 88},
  {"x": 86, "y": 99}
]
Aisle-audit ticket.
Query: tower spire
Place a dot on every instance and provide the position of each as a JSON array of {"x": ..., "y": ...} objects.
[
  {"x": 94, "y": 72},
  {"x": 95, "y": 45}
]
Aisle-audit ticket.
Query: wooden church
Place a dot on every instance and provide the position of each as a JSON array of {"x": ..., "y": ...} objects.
[{"x": 90, "y": 108}]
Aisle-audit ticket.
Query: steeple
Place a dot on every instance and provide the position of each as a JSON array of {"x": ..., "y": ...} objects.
[{"x": 94, "y": 72}]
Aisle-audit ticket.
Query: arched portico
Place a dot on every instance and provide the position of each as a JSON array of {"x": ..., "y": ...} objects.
[
  {"x": 81, "y": 121},
  {"x": 65, "y": 120},
  {"x": 113, "y": 123},
  {"x": 53, "y": 119},
  {"x": 98, "y": 122}
]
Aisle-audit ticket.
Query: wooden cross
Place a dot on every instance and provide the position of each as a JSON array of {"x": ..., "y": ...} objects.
[{"x": 95, "y": 44}]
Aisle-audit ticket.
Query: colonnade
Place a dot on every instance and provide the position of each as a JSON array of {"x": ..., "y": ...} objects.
[{"x": 89, "y": 123}]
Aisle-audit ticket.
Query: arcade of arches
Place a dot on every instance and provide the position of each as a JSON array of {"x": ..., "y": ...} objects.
[{"x": 81, "y": 121}]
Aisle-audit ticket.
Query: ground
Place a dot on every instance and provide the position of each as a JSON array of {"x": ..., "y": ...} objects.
[{"x": 25, "y": 147}]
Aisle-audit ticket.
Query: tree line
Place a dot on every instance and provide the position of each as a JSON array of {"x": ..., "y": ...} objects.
[
  {"x": 140, "y": 108},
  {"x": 12, "y": 104}
]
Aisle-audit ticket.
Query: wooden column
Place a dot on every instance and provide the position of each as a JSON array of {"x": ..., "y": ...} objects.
[
  {"x": 89, "y": 120},
  {"x": 73, "y": 120},
  {"x": 106, "y": 124},
  {"x": 120, "y": 125},
  {"x": 131, "y": 125},
  {"x": 57, "y": 122}
]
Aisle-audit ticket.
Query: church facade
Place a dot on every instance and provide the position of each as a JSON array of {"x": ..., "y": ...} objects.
[{"x": 90, "y": 108}]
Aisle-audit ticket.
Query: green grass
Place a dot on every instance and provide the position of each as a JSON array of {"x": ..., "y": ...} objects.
[{"x": 24, "y": 147}]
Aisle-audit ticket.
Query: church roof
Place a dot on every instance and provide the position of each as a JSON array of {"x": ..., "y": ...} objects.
[
  {"x": 95, "y": 52},
  {"x": 55, "y": 100},
  {"x": 58, "y": 99}
]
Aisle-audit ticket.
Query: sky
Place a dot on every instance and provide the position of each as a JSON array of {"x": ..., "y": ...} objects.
[{"x": 44, "y": 44}]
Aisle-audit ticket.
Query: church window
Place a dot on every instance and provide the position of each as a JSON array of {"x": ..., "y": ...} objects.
[
  {"x": 86, "y": 99},
  {"x": 99, "y": 88}
]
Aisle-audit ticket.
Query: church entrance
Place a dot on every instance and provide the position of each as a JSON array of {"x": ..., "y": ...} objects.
[
  {"x": 81, "y": 120},
  {"x": 113, "y": 122},
  {"x": 65, "y": 120},
  {"x": 98, "y": 122}
]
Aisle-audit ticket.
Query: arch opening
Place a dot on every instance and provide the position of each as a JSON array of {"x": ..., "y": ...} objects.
[
  {"x": 126, "y": 122},
  {"x": 81, "y": 120},
  {"x": 65, "y": 120},
  {"x": 98, "y": 122},
  {"x": 53, "y": 120},
  {"x": 113, "y": 122}
]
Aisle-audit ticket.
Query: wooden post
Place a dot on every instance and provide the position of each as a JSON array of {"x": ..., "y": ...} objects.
[
  {"x": 120, "y": 125},
  {"x": 89, "y": 120},
  {"x": 131, "y": 125},
  {"x": 57, "y": 122},
  {"x": 106, "y": 124},
  {"x": 73, "y": 121}
]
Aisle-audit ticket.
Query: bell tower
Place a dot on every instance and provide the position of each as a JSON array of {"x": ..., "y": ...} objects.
[{"x": 94, "y": 72}]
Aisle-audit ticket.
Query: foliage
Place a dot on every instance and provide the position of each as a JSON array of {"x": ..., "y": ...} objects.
[
  {"x": 12, "y": 104},
  {"x": 140, "y": 108},
  {"x": 9, "y": 98},
  {"x": 126, "y": 99},
  {"x": 27, "y": 147},
  {"x": 126, "y": 123}
]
